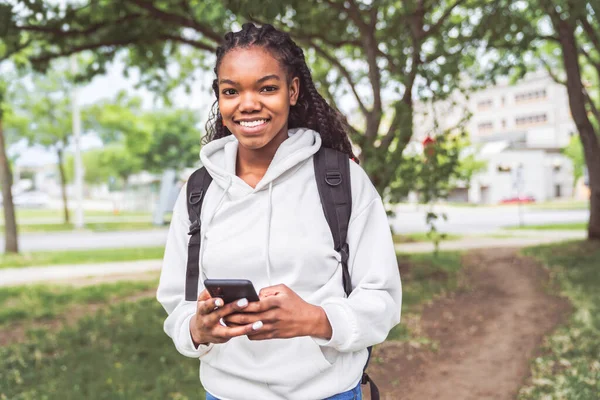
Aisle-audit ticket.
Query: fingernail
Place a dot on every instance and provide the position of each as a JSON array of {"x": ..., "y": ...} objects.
[
  {"x": 257, "y": 325},
  {"x": 242, "y": 303},
  {"x": 219, "y": 302}
]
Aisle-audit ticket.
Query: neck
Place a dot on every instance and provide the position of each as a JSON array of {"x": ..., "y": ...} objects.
[{"x": 257, "y": 161}]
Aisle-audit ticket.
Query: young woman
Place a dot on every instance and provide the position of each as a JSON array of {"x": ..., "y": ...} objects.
[{"x": 262, "y": 220}]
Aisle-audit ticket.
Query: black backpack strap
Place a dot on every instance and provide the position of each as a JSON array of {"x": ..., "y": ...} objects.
[
  {"x": 332, "y": 171},
  {"x": 197, "y": 186}
]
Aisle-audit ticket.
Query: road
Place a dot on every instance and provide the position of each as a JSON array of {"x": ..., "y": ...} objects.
[
  {"x": 408, "y": 219},
  {"x": 479, "y": 220}
]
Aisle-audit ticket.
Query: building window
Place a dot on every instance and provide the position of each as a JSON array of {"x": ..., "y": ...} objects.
[
  {"x": 483, "y": 104},
  {"x": 504, "y": 168},
  {"x": 557, "y": 192},
  {"x": 485, "y": 126},
  {"x": 503, "y": 101},
  {"x": 529, "y": 96},
  {"x": 503, "y": 123},
  {"x": 531, "y": 119}
]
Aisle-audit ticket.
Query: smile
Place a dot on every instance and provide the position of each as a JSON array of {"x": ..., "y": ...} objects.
[{"x": 253, "y": 124}]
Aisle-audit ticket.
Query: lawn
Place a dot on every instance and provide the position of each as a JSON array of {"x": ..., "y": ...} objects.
[
  {"x": 570, "y": 366},
  {"x": 575, "y": 226},
  {"x": 121, "y": 352},
  {"x": 80, "y": 256},
  {"x": 420, "y": 237},
  {"x": 36, "y": 303},
  {"x": 91, "y": 226}
]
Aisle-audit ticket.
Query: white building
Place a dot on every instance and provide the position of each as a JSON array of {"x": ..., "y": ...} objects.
[{"x": 519, "y": 130}]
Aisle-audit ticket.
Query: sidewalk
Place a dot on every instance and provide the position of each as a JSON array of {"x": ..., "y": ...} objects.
[{"x": 21, "y": 276}]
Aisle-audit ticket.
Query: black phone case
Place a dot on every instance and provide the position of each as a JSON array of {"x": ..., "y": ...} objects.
[{"x": 231, "y": 290}]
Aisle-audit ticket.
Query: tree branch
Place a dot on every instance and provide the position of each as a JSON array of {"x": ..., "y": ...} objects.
[
  {"x": 15, "y": 50},
  {"x": 593, "y": 108},
  {"x": 178, "y": 19},
  {"x": 90, "y": 46},
  {"x": 343, "y": 71},
  {"x": 551, "y": 73},
  {"x": 591, "y": 33},
  {"x": 194, "y": 43},
  {"x": 92, "y": 29},
  {"x": 437, "y": 25}
]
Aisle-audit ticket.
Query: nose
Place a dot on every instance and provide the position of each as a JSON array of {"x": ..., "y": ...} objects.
[{"x": 249, "y": 103}]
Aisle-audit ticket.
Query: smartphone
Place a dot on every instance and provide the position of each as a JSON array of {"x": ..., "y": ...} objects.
[{"x": 231, "y": 289}]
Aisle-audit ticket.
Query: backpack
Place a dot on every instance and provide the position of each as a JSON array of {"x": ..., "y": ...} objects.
[{"x": 332, "y": 171}]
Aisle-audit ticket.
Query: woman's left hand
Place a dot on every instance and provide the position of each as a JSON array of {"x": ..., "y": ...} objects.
[{"x": 284, "y": 315}]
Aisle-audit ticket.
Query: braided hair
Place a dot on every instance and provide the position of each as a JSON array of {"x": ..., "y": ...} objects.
[{"x": 311, "y": 110}]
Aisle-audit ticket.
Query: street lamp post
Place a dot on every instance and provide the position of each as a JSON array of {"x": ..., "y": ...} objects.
[{"x": 77, "y": 142}]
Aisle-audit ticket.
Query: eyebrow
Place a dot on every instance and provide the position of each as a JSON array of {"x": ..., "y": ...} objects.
[{"x": 261, "y": 80}]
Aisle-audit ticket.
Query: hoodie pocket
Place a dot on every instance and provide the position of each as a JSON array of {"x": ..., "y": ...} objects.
[{"x": 321, "y": 361}]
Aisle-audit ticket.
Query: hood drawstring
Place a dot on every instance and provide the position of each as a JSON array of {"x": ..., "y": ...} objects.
[
  {"x": 267, "y": 241},
  {"x": 206, "y": 228}
]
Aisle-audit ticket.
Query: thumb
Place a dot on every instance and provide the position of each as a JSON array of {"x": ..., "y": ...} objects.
[{"x": 204, "y": 295}]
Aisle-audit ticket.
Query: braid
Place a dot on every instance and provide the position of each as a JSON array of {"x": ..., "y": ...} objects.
[{"x": 311, "y": 110}]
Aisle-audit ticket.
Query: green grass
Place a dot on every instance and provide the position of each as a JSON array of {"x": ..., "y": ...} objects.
[
  {"x": 560, "y": 205},
  {"x": 93, "y": 226},
  {"x": 420, "y": 237},
  {"x": 120, "y": 353},
  {"x": 570, "y": 366},
  {"x": 42, "y": 302},
  {"x": 575, "y": 226},
  {"x": 424, "y": 276},
  {"x": 80, "y": 256},
  {"x": 25, "y": 213}
]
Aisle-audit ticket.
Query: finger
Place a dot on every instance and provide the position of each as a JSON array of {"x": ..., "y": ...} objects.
[
  {"x": 233, "y": 307},
  {"x": 208, "y": 306},
  {"x": 242, "y": 318},
  {"x": 230, "y": 332},
  {"x": 204, "y": 295},
  {"x": 271, "y": 290},
  {"x": 262, "y": 305},
  {"x": 264, "y": 333}
]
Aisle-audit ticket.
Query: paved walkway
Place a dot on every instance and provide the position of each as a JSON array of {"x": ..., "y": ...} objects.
[{"x": 20, "y": 276}]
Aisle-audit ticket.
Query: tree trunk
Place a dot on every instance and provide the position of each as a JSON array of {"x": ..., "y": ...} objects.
[
  {"x": 10, "y": 223},
  {"x": 63, "y": 185},
  {"x": 589, "y": 138}
]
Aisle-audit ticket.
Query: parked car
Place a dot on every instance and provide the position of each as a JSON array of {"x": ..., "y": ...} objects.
[
  {"x": 32, "y": 199},
  {"x": 517, "y": 200}
]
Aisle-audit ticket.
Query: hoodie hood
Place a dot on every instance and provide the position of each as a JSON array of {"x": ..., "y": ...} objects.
[{"x": 219, "y": 159}]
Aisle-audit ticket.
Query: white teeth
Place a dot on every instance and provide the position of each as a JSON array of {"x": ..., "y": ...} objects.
[{"x": 250, "y": 124}]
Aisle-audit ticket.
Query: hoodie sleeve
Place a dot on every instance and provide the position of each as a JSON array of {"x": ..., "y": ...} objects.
[
  {"x": 171, "y": 288},
  {"x": 373, "y": 308}
]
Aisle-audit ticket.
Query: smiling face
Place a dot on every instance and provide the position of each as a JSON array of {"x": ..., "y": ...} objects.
[{"x": 255, "y": 98}]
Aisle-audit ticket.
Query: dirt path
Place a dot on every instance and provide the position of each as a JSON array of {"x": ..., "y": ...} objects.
[{"x": 487, "y": 334}]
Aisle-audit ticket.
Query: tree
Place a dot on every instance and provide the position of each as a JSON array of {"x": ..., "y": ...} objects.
[
  {"x": 47, "y": 109},
  {"x": 172, "y": 132},
  {"x": 575, "y": 152},
  {"x": 395, "y": 51},
  {"x": 111, "y": 161},
  {"x": 563, "y": 36},
  {"x": 13, "y": 43}
]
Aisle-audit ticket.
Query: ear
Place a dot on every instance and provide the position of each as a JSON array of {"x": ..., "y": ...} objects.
[{"x": 294, "y": 90}]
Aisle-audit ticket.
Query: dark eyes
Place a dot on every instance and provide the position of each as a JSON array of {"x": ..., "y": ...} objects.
[{"x": 266, "y": 89}]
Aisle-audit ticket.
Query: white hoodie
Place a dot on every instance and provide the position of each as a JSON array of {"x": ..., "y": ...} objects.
[{"x": 277, "y": 233}]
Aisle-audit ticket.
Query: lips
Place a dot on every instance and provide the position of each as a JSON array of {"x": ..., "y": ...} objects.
[{"x": 253, "y": 125}]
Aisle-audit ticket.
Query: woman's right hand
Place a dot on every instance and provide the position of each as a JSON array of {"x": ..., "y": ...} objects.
[{"x": 205, "y": 325}]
